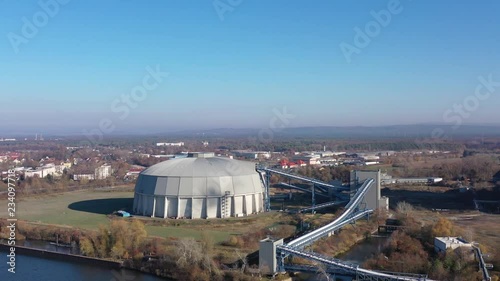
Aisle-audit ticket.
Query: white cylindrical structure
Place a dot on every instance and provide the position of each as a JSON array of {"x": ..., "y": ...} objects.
[{"x": 199, "y": 186}]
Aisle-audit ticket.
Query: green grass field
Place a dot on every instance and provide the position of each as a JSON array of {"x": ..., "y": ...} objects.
[
  {"x": 88, "y": 209},
  {"x": 85, "y": 209}
]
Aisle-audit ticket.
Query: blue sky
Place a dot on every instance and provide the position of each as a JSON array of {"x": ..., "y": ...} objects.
[{"x": 263, "y": 55}]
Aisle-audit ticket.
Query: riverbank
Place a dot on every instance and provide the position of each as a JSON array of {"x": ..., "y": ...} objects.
[
  {"x": 29, "y": 267},
  {"x": 62, "y": 256}
]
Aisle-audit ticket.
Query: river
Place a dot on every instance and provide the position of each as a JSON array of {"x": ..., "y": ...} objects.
[
  {"x": 39, "y": 269},
  {"x": 364, "y": 250}
]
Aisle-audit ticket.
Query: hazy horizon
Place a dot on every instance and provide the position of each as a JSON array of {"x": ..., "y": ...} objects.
[{"x": 391, "y": 131}]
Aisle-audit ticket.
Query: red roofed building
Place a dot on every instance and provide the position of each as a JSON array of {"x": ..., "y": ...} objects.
[{"x": 13, "y": 155}]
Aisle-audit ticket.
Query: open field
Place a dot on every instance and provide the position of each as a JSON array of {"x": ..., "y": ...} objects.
[
  {"x": 87, "y": 209},
  {"x": 484, "y": 229}
]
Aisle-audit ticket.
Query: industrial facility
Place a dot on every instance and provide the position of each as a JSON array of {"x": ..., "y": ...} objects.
[{"x": 199, "y": 186}]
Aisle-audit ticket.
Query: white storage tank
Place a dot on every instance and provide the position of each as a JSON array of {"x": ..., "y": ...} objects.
[{"x": 199, "y": 186}]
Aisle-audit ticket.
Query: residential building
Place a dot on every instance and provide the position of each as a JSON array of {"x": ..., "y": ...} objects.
[
  {"x": 103, "y": 172},
  {"x": 12, "y": 156},
  {"x": 134, "y": 172},
  {"x": 41, "y": 172},
  {"x": 99, "y": 173},
  {"x": 68, "y": 164},
  {"x": 79, "y": 177}
]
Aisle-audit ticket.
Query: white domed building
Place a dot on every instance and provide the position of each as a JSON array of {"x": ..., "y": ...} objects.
[{"x": 199, "y": 186}]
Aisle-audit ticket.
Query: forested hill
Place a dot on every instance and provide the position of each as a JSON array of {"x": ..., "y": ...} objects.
[{"x": 434, "y": 131}]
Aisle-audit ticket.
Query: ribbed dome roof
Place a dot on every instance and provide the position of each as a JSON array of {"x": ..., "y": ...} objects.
[{"x": 201, "y": 167}]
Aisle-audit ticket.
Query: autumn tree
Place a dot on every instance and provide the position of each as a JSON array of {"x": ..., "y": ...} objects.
[
  {"x": 119, "y": 240},
  {"x": 87, "y": 247},
  {"x": 102, "y": 242},
  {"x": 443, "y": 227},
  {"x": 137, "y": 233},
  {"x": 401, "y": 254}
]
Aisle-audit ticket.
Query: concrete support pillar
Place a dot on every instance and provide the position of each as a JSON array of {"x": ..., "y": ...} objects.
[
  {"x": 191, "y": 207},
  {"x": 165, "y": 207},
  {"x": 154, "y": 207},
  {"x": 178, "y": 207},
  {"x": 245, "y": 205}
]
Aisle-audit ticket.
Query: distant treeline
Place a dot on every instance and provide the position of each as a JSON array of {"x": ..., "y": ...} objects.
[{"x": 401, "y": 146}]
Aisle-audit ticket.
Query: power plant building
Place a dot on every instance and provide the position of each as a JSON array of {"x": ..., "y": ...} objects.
[
  {"x": 199, "y": 186},
  {"x": 373, "y": 199}
]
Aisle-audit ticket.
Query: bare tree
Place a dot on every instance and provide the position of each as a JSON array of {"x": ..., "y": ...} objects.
[
  {"x": 405, "y": 208},
  {"x": 322, "y": 270},
  {"x": 188, "y": 252},
  {"x": 243, "y": 259}
]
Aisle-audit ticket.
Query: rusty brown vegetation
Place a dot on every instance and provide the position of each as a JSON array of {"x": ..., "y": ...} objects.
[{"x": 411, "y": 250}]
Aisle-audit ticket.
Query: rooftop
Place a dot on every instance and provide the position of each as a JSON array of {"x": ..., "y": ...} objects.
[
  {"x": 452, "y": 240},
  {"x": 201, "y": 165}
]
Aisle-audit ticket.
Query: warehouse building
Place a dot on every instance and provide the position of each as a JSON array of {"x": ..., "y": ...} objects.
[{"x": 199, "y": 186}]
